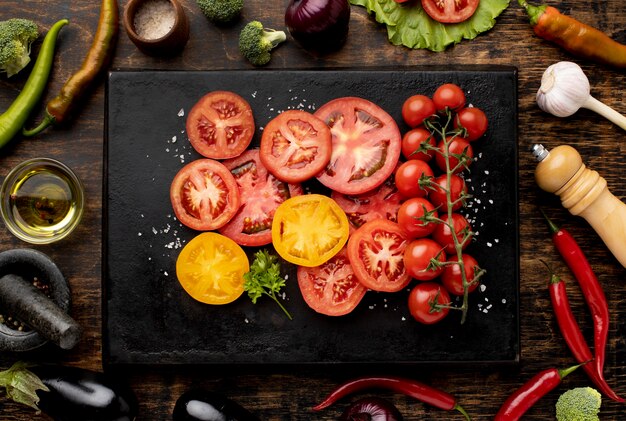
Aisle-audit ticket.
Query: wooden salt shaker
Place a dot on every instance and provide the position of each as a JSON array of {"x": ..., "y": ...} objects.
[{"x": 583, "y": 192}]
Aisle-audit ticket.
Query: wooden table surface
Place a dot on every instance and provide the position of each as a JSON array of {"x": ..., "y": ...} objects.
[{"x": 280, "y": 394}]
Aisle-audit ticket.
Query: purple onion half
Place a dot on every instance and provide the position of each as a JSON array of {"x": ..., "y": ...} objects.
[
  {"x": 371, "y": 409},
  {"x": 319, "y": 25}
]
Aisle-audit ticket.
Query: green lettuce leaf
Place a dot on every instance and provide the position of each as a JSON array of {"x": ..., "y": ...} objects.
[{"x": 409, "y": 25}]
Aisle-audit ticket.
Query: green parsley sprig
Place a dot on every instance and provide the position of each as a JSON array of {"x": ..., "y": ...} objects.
[{"x": 264, "y": 278}]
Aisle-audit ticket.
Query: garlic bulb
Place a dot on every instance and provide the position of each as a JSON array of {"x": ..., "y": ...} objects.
[{"x": 564, "y": 89}]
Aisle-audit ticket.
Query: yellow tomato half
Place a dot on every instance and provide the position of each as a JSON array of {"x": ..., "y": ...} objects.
[
  {"x": 210, "y": 268},
  {"x": 308, "y": 230}
]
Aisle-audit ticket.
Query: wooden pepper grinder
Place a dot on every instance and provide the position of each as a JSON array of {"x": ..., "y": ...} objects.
[{"x": 583, "y": 192}]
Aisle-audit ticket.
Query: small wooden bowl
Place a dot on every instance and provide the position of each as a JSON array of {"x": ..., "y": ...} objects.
[{"x": 169, "y": 44}]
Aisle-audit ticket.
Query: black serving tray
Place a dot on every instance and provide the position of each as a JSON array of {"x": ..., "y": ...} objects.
[{"x": 149, "y": 319}]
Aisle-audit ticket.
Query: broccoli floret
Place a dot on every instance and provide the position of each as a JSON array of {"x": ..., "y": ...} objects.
[
  {"x": 221, "y": 11},
  {"x": 16, "y": 37},
  {"x": 579, "y": 404},
  {"x": 257, "y": 42}
]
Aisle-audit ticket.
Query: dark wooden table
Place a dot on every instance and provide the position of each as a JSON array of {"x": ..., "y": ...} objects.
[{"x": 281, "y": 395}]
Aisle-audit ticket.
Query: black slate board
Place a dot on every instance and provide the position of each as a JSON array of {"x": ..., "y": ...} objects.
[{"x": 149, "y": 319}]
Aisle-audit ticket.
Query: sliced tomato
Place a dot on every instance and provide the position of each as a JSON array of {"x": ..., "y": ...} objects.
[
  {"x": 210, "y": 268},
  {"x": 450, "y": 11},
  {"x": 295, "y": 146},
  {"x": 332, "y": 288},
  {"x": 310, "y": 229},
  {"x": 220, "y": 125},
  {"x": 366, "y": 144},
  {"x": 260, "y": 193},
  {"x": 382, "y": 202},
  {"x": 204, "y": 195},
  {"x": 376, "y": 253}
]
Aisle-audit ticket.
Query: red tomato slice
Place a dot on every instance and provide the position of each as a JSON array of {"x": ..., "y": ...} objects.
[
  {"x": 382, "y": 202},
  {"x": 332, "y": 288},
  {"x": 220, "y": 125},
  {"x": 450, "y": 11},
  {"x": 260, "y": 193},
  {"x": 204, "y": 195},
  {"x": 366, "y": 144},
  {"x": 376, "y": 253},
  {"x": 295, "y": 146}
]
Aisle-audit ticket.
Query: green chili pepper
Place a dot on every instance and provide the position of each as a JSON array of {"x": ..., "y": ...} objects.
[
  {"x": 13, "y": 119},
  {"x": 59, "y": 109}
]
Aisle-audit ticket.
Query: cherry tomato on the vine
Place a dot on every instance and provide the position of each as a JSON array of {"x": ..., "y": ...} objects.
[
  {"x": 428, "y": 302},
  {"x": 409, "y": 175},
  {"x": 458, "y": 149},
  {"x": 443, "y": 232},
  {"x": 449, "y": 96},
  {"x": 473, "y": 120},
  {"x": 439, "y": 186},
  {"x": 416, "y": 109},
  {"x": 411, "y": 214},
  {"x": 452, "y": 277},
  {"x": 418, "y": 257},
  {"x": 419, "y": 143}
]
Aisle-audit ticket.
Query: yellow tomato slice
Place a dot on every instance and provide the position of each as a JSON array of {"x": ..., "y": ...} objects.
[
  {"x": 210, "y": 268},
  {"x": 308, "y": 230}
]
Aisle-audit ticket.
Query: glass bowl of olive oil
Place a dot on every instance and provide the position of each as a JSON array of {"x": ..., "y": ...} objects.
[{"x": 41, "y": 200}]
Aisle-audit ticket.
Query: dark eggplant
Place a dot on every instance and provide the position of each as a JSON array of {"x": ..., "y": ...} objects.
[
  {"x": 371, "y": 409},
  {"x": 318, "y": 25},
  {"x": 203, "y": 405},
  {"x": 70, "y": 393}
]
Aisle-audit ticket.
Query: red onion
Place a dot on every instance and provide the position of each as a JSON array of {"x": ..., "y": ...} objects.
[
  {"x": 320, "y": 25},
  {"x": 371, "y": 409}
]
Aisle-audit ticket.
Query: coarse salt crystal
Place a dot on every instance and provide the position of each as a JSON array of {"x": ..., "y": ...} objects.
[{"x": 154, "y": 19}]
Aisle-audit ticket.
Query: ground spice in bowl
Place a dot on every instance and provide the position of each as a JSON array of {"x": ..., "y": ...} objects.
[{"x": 154, "y": 19}]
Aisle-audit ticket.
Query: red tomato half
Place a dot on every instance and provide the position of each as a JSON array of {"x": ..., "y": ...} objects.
[
  {"x": 220, "y": 125},
  {"x": 450, "y": 11},
  {"x": 332, "y": 288},
  {"x": 376, "y": 253},
  {"x": 204, "y": 195},
  {"x": 295, "y": 146},
  {"x": 366, "y": 145},
  {"x": 260, "y": 193},
  {"x": 382, "y": 202},
  {"x": 423, "y": 301}
]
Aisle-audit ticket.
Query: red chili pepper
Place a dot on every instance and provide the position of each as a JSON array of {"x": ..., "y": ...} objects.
[
  {"x": 575, "y": 37},
  {"x": 534, "y": 389},
  {"x": 573, "y": 336},
  {"x": 592, "y": 292},
  {"x": 413, "y": 388}
]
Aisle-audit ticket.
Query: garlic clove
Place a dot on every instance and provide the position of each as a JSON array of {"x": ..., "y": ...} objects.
[{"x": 564, "y": 89}]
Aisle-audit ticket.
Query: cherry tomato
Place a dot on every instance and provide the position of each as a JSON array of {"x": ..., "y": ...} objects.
[
  {"x": 382, "y": 202},
  {"x": 424, "y": 299},
  {"x": 210, "y": 268},
  {"x": 260, "y": 193},
  {"x": 204, "y": 195},
  {"x": 366, "y": 145},
  {"x": 443, "y": 232},
  {"x": 310, "y": 229},
  {"x": 415, "y": 142},
  {"x": 220, "y": 125},
  {"x": 376, "y": 253},
  {"x": 449, "y": 96},
  {"x": 410, "y": 174},
  {"x": 332, "y": 288},
  {"x": 416, "y": 109},
  {"x": 409, "y": 216},
  {"x": 458, "y": 192},
  {"x": 452, "y": 279},
  {"x": 458, "y": 149},
  {"x": 418, "y": 257},
  {"x": 295, "y": 146},
  {"x": 450, "y": 11},
  {"x": 473, "y": 120}
]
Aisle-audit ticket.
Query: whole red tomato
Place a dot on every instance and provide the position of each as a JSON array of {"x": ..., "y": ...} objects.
[
  {"x": 416, "y": 109},
  {"x": 428, "y": 302},
  {"x": 419, "y": 257},
  {"x": 452, "y": 277},
  {"x": 411, "y": 176},
  {"x": 449, "y": 96},
  {"x": 411, "y": 217},
  {"x": 458, "y": 192},
  {"x": 419, "y": 143},
  {"x": 473, "y": 120}
]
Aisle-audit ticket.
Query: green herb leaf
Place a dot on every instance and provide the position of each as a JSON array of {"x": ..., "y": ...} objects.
[
  {"x": 264, "y": 278},
  {"x": 409, "y": 25}
]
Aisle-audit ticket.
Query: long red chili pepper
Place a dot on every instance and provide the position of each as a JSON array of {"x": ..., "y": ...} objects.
[
  {"x": 575, "y": 37},
  {"x": 59, "y": 109},
  {"x": 573, "y": 336},
  {"x": 534, "y": 389},
  {"x": 591, "y": 289},
  {"x": 413, "y": 388}
]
